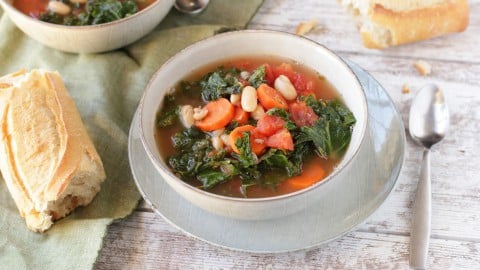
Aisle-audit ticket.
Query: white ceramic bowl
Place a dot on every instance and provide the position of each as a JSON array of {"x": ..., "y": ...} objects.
[
  {"x": 93, "y": 38},
  {"x": 253, "y": 43}
]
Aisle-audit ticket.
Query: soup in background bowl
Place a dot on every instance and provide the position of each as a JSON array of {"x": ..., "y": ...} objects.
[
  {"x": 95, "y": 38},
  {"x": 304, "y": 57}
]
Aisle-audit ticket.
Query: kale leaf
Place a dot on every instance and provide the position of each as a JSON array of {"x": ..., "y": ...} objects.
[
  {"x": 257, "y": 77},
  {"x": 167, "y": 118},
  {"x": 331, "y": 133},
  {"x": 211, "y": 178},
  {"x": 246, "y": 157},
  {"x": 220, "y": 83},
  {"x": 103, "y": 11},
  {"x": 96, "y": 12},
  {"x": 183, "y": 141},
  {"x": 169, "y": 114},
  {"x": 279, "y": 159}
]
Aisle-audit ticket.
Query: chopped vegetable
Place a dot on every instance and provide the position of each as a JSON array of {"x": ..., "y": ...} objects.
[
  {"x": 270, "y": 124},
  {"x": 220, "y": 113},
  {"x": 270, "y": 98},
  {"x": 240, "y": 116},
  {"x": 256, "y": 142},
  {"x": 91, "y": 13},
  {"x": 310, "y": 175},
  {"x": 302, "y": 114},
  {"x": 220, "y": 83},
  {"x": 282, "y": 139},
  {"x": 257, "y": 77}
]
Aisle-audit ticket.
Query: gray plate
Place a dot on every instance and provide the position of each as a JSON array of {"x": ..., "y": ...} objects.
[{"x": 349, "y": 202}]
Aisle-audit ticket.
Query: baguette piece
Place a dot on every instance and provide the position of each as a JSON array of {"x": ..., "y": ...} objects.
[
  {"x": 385, "y": 23},
  {"x": 47, "y": 159}
]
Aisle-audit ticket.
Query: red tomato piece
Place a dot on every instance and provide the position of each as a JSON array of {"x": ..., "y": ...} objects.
[
  {"x": 303, "y": 85},
  {"x": 281, "y": 140},
  {"x": 270, "y": 124},
  {"x": 269, "y": 76},
  {"x": 284, "y": 69},
  {"x": 302, "y": 114}
]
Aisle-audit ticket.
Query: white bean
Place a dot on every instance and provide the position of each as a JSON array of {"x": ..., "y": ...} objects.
[
  {"x": 218, "y": 132},
  {"x": 217, "y": 143},
  {"x": 249, "y": 99},
  {"x": 199, "y": 113},
  {"x": 78, "y": 1},
  {"x": 186, "y": 115},
  {"x": 244, "y": 75},
  {"x": 235, "y": 99},
  {"x": 258, "y": 113},
  {"x": 224, "y": 138},
  {"x": 59, "y": 7},
  {"x": 285, "y": 87}
]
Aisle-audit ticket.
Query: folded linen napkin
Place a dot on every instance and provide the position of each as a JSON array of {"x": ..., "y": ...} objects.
[{"x": 106, "y": 88}]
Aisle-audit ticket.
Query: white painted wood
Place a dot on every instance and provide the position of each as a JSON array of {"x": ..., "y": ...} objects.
[{"x": 145, "y": 241}]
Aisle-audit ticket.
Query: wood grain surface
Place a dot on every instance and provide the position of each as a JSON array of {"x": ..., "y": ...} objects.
[{"x": 145, "y": 241}]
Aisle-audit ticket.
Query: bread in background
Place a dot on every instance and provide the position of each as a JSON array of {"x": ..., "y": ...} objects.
[
  {"x": 385, "y": 23},
  {"x": 47, "y": 159}
]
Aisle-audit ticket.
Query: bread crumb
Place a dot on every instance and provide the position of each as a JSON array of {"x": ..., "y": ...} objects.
[
  {"x": 423, "y": 67},
  {"x": 305, "y": 27},
  {"x": 406, "y": 89}
]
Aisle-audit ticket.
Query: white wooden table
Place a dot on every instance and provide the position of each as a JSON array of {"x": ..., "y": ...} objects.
[{"x": 145, "y": 241}]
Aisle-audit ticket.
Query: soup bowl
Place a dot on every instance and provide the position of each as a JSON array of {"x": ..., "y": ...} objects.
[
  {"x": 91, "y": 38},
  {"x": 253, "y": 43}
]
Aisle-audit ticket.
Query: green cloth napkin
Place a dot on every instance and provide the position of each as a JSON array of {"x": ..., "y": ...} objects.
[{"x": 106, "y": 88}]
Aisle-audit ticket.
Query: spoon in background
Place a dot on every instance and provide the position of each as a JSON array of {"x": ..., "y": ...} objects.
[
  {"x": 428, "y": 124},
  {"x": 191, "y": 6}
]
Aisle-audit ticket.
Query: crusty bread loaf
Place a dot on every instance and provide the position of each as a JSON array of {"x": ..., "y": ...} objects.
[
  {"x": 47, "y": 159},
  {"x": 385, "y": 23}
]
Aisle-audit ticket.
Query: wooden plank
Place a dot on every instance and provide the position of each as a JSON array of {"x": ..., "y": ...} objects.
[{"x": 157, "y": 245}]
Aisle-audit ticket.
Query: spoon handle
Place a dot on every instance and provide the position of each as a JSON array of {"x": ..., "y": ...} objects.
[{"x": 420, "y": 235}]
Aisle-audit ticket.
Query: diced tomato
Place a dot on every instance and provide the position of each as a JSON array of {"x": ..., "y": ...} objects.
[
  {"x": 258, "y": 141},
  {"x": 303, "y": 85},
  {"x": 281, "y": 140},
  {"x": 302, "y": 114},
  {"x": 269, "y": 124},
  {"x": 269, "y": 75},
  {"x": 284, "y": 69}
]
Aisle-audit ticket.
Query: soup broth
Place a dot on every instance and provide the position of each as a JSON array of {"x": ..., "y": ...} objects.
[
  {"x": 88, "y": 13},
  {"x": 273, "y": 180}
]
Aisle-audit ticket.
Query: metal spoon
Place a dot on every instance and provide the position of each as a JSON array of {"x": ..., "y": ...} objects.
[
  {"x": 428, "y": 124},
  {"x": 191, "y": 6}
]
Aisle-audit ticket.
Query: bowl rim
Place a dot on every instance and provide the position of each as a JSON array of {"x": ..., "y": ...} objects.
[
  {"x": 163, "y": 168},
  {"x": 9, "y": 5}
]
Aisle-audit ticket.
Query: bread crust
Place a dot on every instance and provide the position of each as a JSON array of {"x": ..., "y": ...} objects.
[
  {"x": 415, "y": 25},
  {"x": 47, "y": 159}
]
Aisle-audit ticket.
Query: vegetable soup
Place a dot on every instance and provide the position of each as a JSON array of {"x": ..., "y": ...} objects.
[
  {"x": 80, "y": 12},
  {"x": 253, "y": 127}
]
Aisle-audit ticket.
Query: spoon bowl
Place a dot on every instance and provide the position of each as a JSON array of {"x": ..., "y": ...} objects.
[
  {"x": 191, "y": 6},
  {"x": 428, "y": 125},
  {"x": 429, "y": 117}
]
